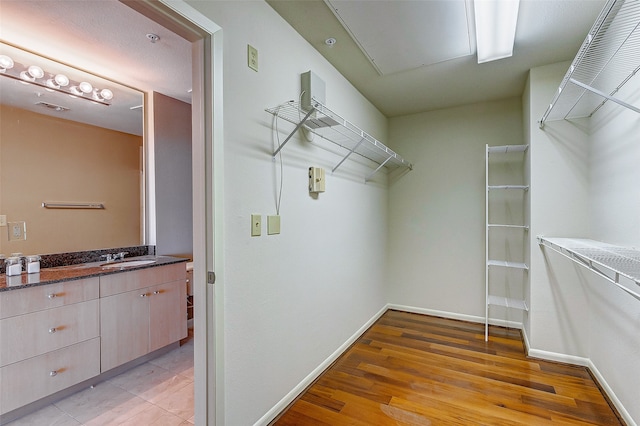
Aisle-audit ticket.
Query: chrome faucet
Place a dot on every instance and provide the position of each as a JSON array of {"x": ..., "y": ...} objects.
[{"x": 111, "y": 257}]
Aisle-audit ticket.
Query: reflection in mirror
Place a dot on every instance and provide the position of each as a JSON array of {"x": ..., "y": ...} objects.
[{"x": 62, "y": 141}]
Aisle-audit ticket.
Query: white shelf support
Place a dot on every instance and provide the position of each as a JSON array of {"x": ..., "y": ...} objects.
[
  {"x": 351, "y": 151},
  {"x": 293, "y": 132},
  {"x": 604, "y": 95},
  {"x": 605, "y": 260}
]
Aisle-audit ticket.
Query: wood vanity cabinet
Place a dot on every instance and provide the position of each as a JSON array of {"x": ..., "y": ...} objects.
[
  {"x": 49, "y": 340},
  {"x": 141, "y": 311}
]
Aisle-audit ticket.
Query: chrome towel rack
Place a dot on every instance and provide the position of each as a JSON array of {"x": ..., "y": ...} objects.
[{"x": 72, "y": 205}]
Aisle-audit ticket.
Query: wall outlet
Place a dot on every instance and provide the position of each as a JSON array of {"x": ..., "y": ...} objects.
[
  {"x": 252, "y": 57},
  {"x": 316, "y": 179},
  {"x": 17, "y": 231},
  {"x": 273, "y": 224},
  {"x": 256, "y": 225},
  {"x": 3, "y": 220}
]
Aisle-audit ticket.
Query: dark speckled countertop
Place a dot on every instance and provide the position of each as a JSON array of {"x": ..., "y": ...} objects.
[{"x": 79, "y": 271}]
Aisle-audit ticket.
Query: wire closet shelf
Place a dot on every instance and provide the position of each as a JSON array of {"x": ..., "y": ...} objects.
[
  {"x": 330, "y": 126},
  {"x": 608, "y": 58},
  {"x": 613, "y": 263}
]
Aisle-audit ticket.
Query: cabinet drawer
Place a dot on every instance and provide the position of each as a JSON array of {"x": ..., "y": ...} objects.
[
  {"x": 27, "y": 381},
  {"x": 137, "y": 279},
  {"x": 29, "y": 335},
  {"x": 31, "y": 299}
]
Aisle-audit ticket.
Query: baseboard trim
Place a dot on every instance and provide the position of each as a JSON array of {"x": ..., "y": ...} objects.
[
  {"x": 611, "y": 395},
  {"x": 300, "y": 387},
  {"x": 558, "y": 357}
]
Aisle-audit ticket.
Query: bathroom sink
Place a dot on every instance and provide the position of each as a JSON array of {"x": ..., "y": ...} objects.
[{"x": 128, "y": 263}]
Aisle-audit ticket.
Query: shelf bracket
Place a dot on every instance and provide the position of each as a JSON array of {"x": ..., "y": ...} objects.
[
  {"x": 300, "y": 124},
  {"x": 370, "y": 175},
  {"x": 604, "y": 95},
  {"x": 351, "y": 151}
]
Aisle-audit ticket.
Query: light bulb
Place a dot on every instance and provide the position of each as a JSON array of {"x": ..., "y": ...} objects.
[
  {"x": 76, "y": 91},
  {"x": 106, "y": 94},
  {"x": 62, "y": 80},
  {"x": 5, "y": 62},
  {"x": 35, "y": 71},
  {"x": 85, "y": 87},
  {"x": 26, "y": 76}
]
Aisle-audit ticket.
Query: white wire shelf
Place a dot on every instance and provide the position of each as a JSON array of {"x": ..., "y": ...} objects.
[
  {"x": 607, "y": 59},
  {"x": 507, "y": 264},
  {"x": 507, "y": 302},
  {"x": 330, "y": 126},
  {"x": 505, "y": 149},
  {"x": 608, "y": 261},
  {"x": 499, "y": 225},
  {"x": 522, "y": 187}
]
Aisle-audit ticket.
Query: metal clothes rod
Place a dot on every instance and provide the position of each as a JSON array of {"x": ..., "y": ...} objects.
[
  {"x": 607, "y": 261},
  {"x": 72, "y": 205}
]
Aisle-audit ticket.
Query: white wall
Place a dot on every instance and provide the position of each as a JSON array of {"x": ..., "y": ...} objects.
[
  {"x": 584, "y": 184},
  {"x": 437, "y": 220},
  {"x": 291, "y": 299},
  {"x": 172, "y": 153}
]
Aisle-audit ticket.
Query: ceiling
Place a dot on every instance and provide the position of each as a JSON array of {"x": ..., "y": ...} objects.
[
  {"x": 420, "y": 55},
  {"x": 105, "y": 38},
  {"x": 412, "y": 56}
]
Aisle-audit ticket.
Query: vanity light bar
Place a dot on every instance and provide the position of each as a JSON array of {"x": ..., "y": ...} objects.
[{"x": 34, "y": 74}]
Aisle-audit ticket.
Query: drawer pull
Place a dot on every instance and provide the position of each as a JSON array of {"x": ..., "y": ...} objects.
[
  {"x": 143, "y": 295},
  {"x": 53, "y": 373},
  {"x": 156, "y": 292},
  {"x": 52, "y": 295},
  {"x": 52, "y": 330}
]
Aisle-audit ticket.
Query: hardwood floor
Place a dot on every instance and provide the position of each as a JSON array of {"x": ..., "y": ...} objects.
[{"x": 411, "y": 369}]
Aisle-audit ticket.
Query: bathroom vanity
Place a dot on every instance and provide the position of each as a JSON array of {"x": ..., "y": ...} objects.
[{"x": 73, "y": 326}]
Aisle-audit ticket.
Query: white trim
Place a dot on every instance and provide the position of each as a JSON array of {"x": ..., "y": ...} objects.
[
  {"x": 611, "y": 394},
  {"x": 558, "y": 357},
  {"x": 300, "y": 387}
]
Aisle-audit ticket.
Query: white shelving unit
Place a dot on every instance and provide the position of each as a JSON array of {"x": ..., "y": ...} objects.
[
  {"x": 330, "y": 126},
  {"x": 607, "y": 59},
  {"x": 618, "y": 265},
  {"x": 494, "y": 299}
]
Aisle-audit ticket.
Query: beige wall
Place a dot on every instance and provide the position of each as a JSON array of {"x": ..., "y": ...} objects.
[{"x": 48, "y": 159}]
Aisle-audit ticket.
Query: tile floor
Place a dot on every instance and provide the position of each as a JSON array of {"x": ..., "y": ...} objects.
[{"x": 159, "y": 392}]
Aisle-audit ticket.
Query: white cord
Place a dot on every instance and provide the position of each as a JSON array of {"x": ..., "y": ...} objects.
[
  {"x": 279, "y": 199},
  {"x": 305, "y": 132}
]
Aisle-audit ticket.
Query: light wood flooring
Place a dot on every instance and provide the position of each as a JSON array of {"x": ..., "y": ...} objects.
[
  {"x": 158, "y": 392},
  {"x": 411, "y": 369}
]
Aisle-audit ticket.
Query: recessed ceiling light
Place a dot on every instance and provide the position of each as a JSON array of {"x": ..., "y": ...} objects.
[
  {"x": 330, "y": 41},
  {"x": 153, "y": 37}
]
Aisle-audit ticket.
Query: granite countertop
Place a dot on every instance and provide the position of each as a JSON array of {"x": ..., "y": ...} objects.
[{"x": 79, "y": 271}]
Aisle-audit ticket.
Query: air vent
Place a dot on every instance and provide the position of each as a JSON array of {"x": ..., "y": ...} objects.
[{"x": 54, "y": 107}]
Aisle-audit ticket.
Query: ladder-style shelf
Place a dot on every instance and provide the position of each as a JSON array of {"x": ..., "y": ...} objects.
[
  {"x": 608, "y": 261},
  {"x": 332, "y": 127},
  {"x": 494, "y": 299},
  {"x": 607, "y": 59}
]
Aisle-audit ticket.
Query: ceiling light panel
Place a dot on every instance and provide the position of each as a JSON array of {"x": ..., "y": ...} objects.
[
  {"x": 403, "y": 35},
  {"x": 495, "y": 28}
]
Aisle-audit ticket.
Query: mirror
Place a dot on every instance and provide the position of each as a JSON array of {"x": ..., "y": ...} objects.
[{"x": 62, "y": 142}]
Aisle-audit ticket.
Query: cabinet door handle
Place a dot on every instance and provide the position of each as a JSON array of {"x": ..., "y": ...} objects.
[
  {"x": 52, "y": 330},
  {"x": 52, "y": 295},
  {"x": 143, "y": 295},
  {"x": 53, "y": 373},
  {"x": 157, "y": 292}
]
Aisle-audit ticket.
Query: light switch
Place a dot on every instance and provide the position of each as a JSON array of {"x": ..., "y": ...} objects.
[
  {"x": 256, "y": 225},
  {"x": 252, "y": 57},
  {"x": 273, "y": 225}
]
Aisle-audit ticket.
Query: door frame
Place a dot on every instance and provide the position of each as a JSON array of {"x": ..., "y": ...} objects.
[{"x": 208, "y": 184}]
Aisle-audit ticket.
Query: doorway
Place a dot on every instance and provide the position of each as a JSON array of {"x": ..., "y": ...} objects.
[{"x": 207, "y": 182}]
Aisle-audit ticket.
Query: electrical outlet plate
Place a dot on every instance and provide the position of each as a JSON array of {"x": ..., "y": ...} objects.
[
  {"x": 273, "y": 225},
  {"x": 17, "y": 231},
  {"x": 252, "y": 57},
  {"x": 256, "y": 225}
]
